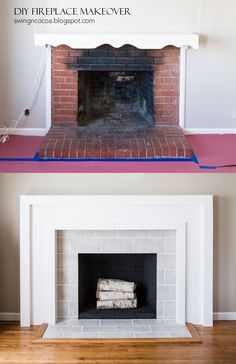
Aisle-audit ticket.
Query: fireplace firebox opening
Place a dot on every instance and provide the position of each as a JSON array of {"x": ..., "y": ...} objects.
[
  {"x": 138, "y": 268},
  {"x": 116, "y": 96}
]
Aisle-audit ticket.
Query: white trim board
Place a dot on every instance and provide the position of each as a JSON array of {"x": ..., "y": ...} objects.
[
  {"x": 42, "y": 216},
  {"x": 48, "y": 90},
  {"x": 9, "y": 316},
  {"x": 43, "y": 131},
  {"x": 224, "y": 316},
  {"x": 182, "y": 87},
  {"x": 25, "y": 131},
  {"x": 142, "y": 41},
  {"x": 210, "y": 131}
]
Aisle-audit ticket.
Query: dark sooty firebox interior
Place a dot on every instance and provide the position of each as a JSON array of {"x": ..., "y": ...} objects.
[
  {"x": 138, "y": 268},
  {"x": 107, "y": 95}
]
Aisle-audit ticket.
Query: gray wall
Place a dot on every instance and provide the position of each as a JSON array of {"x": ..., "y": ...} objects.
[
  {"x": 211, "y": 76},
  {"x": 221, "y": 185},
  {"x": 19, "y": 60}
]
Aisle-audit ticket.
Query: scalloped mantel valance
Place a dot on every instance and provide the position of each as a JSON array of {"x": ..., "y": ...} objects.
[{"x": 142, "y": 41}]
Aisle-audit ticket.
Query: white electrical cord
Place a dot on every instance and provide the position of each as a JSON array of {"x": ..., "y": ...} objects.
[{"x": 4, "y": 134}]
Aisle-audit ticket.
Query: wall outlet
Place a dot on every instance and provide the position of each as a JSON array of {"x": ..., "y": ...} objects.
[
  {"x": 27, "y": 112},
  {"x": 234, "y": 114}
]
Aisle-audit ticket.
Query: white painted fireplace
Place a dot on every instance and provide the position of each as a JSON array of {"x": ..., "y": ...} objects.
[{"x": 191, "y": 217}]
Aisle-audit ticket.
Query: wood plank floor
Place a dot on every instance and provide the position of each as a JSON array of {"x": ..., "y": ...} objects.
[{"x": 219, "y": 346}]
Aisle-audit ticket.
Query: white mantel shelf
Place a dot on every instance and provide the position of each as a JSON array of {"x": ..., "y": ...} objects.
[{"x": 142, "y": 41}]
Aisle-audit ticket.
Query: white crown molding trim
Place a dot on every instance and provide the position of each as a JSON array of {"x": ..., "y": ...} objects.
[
  {"x": 9, "y": 316},
  {"x": 25, "y": 131},
  {"x": 142, "y": 41},
  {"x": 210, "y": 131},
  {"x": 224, "y": 316}
]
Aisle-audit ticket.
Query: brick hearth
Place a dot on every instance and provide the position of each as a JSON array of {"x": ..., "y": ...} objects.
[
  {"x": 141, "y": 127},
  {"x": 72, "y": 143}
]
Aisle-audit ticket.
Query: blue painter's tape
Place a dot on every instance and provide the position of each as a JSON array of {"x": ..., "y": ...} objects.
[
  {"x": 207, "y": 167},
  {"x": 36, "y": 159}
]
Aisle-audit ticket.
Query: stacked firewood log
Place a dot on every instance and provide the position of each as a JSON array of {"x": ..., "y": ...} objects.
[{"x": 115, "y": 294}]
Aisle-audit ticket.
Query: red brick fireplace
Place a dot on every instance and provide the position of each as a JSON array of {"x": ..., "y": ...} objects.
[
  {"x": 115, "y": 103},
  {"x": 67, "y": 64}
]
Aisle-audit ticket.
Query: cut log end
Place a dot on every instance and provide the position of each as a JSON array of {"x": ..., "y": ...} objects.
[
  {"x": 115, "y": 285},
  {"x": 116, "y": 304}
]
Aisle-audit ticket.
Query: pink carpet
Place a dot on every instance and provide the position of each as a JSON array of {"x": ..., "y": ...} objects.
[
  {"x": 214, "y": 150},
  {"x": 20, "y": 147},
  {"x": 99, "y": 167},
  {"x": 210, "y": 150}
]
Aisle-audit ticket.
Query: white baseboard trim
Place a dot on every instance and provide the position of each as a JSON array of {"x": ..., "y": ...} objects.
[
  {"x": 9, "y": 316},
  {"x": 26, "y": 131},
  {"x": 209, "y": 131},
  {"x": 229, "y": 316},
  {"x": 43, "y": 131}
]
